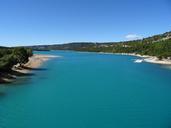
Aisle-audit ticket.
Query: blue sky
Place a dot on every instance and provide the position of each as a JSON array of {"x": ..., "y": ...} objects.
[{"x": 30, "y": 22}]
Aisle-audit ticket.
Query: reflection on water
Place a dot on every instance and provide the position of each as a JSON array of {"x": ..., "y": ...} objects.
[
  {"x": 3, "y": 89},
  {"x": 21, "y": 81},
  {"x": 89, "y": 90}
]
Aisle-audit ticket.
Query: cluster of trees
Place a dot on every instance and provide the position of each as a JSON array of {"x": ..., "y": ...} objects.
[
  {"x": 161, "y": 49},
  {"x": 12, "y": 56}
]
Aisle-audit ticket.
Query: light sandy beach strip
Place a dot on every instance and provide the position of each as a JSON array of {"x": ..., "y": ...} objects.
[
  {"x": 150, "y": 59},
  {"x": 157, "y": 61},
  {"x": 146, "y": 58},
  {"x": 34, "y": 62}
]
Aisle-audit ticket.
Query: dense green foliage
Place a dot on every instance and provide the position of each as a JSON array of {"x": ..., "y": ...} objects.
[
  {"x": 158, "y": 45},
  {"x": 11, "y": 56},
  {"x": 161, "y": 49}
]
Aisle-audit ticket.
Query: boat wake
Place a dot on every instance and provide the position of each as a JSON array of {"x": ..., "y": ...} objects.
[{"x": 138, "y": 61}]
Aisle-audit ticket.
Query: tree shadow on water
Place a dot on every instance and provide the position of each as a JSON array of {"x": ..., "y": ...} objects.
[
  {"x": 2, "y": 95},
  {"x": 10, "y": 76},
  {"x": 36, "y": 69},
  {"x": 15, "y": 73}
]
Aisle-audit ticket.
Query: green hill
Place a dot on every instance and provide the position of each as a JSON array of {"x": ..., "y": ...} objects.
[{"x": 158, "y": 45}]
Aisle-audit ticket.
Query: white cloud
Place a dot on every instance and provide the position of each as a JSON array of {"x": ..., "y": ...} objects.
[{"x": 132, "y": 37}]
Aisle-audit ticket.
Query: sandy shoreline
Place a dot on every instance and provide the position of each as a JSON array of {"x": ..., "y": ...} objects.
[
  {"x": 150, "y": 59},
  {"x": 145, "y": 58},
  {"x": 34, "y": 62}
]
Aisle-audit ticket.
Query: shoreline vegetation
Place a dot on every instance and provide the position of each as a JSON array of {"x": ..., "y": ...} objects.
[
  {"x": 10, "y": 57},
  {"x": 34, "y": 62}
]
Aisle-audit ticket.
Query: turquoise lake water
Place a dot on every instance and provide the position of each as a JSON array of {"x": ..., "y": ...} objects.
[{"x": 89, "y": 90}]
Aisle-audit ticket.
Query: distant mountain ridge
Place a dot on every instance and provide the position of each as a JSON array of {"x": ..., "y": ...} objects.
[
  {"x": 82, "y": 45},
  {"x": 157, "y": 45},
  {"x": 2, "y": 47}
]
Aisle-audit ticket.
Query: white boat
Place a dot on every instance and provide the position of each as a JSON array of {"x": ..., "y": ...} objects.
[{"x": 138, "y": 61}]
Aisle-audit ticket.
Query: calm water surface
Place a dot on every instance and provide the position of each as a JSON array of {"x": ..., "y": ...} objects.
[{"x": 89, "y": 90}]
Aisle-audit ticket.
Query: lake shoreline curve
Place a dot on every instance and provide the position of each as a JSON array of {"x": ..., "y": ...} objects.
[{"x": 34, "y": 63}]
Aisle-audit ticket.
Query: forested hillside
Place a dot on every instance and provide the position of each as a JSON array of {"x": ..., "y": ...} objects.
[{"x": 158, "y": 45}]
